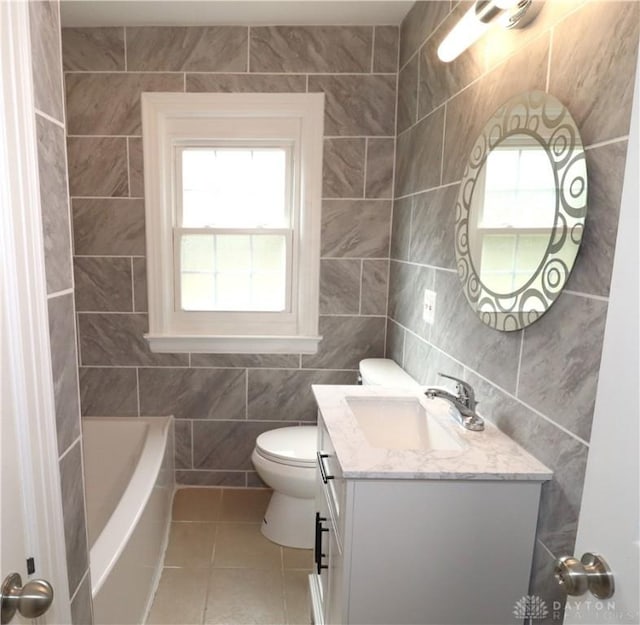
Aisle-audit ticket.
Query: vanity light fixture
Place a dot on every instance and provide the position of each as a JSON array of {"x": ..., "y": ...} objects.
[{"x": 476, "y": 22}]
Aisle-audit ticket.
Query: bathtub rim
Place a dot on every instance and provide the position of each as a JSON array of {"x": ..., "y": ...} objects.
[{"x": 122, "y": 523}]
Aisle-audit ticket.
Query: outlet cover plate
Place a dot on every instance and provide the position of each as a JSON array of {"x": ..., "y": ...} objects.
[{"x": 429, "y": 306}]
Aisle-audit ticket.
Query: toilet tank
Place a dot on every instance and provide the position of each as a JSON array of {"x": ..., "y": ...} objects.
[{"x": 385, "y": 372}]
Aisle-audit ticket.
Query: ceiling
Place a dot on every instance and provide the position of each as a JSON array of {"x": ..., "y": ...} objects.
[{"x": 255, "y": 12}]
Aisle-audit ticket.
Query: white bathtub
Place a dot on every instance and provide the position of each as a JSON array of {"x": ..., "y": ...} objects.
[{"x": 129, "y": 480}]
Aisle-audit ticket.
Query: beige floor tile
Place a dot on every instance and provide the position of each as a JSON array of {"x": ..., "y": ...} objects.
[
  {"x": 245, "y": 597},
  {"x": 298, "y": 558},
  {"x": 190, "y": 544},
  {"x": 197, "y": 504},
  {"x": 241, "y": 545},
  {"x": 296, "y": 597},
  {"x": 247, "y": 504},
  {"x": 180, "y": 598}
]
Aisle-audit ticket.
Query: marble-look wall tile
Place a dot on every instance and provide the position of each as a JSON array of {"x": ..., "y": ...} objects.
[
  {"x": 46, "y": 61},
  {"x": 183, "y": 447},
  {"x": 419, "y": 155},
  {"x": 109, "y": 104},
  {"x": 544, "y": 585},
  {"x": 346, "y": 341},
  {"x": 597, "y": 88},
  {"x": 395, "y": 342},
  {"x": 407, "y": 284},
  {"x": 437, "y": 86},
  {"x": 211, "y": 478},
  {"x": 108, "y": 391},
  {"x": 117, "y": 339},
  {"x": 432, "y": 228},
  {"x": 561, "y": 358},
  {"x": 419, "y": 23},
  {"x": 81, "y": 606},
  {"x": 75, "y": 528},
  {"x": 98, "y": 166},
  {"x": 343, "y": 168},
  {"x": 385, "y": 49},
  {"x": 563, "y": 454},
  {"x": 93, "y": 49},
  {"x": 103, "y": 284},
  {"x": 110, "y": 227},
  {"x": 424, "y": 363},
  {"x": 227, "y": 445},
  {"x": 252, "y": 361},
  {"x": 247, "y": 83},
  {"x": 592, "y": 270},
  {"x": 357, "y": 105},
  {"x": 325, "y": 49},
  {"x": 286, "y": 395},
  {"x": 54, "y": 203},
  {"x": 401, "y": 228},
  {"x": 459, "y": 332},
  {"x": 356, "y": 228},
  {"x": 340, "y": 286},
  {"x": 373, "y": 299},
  {"x": 468, "y": 112},
  {"x": 193, "y": 393},
  {"x": 139, "y": 284},
  {"x": 136, "y": 167},
  {"x": 379, "y": 176},
  {"x": 64, "y": 369},
  {"x": 254, "y": 481},
  {"x": 408, "y": 95},
  {"x": 194, "y": 48}
]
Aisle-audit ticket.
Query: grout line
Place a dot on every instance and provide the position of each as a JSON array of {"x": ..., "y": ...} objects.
[
  {"x": 133, "y": 289},
  {"x": 59, "y": 293},
  {"x": 429, "y": 190},
  {"x": 234, "y": 73},
  {"x": 601, "y": 144},
  {"x": 75, "y": 441},
  {"x": 138, "y": 388},
  {"x": 496, "y": 386},
  {"x": 552, "y": 555},
  {"x": 75, "y": 592},
  {"x": 379, "y": 200},
  {"x": 132, "y": 256},
  {"x": 373, "y": 46},
  {"x": 366, "y": 168},
  {"x": 519, "y": 362},
  {"x": 360, "y": 294},
  {"x": 599, "y": 298},
  {"x": 444, "y": 127},
  {"x": 191, "y": 449},
  {"x": 246, "y": 393},
  {"x": 128, "y": 168},
  {"x": 53, "y": 120},
  {"x": 126, "y": 52},
  {"x": 77, "y": 136},
  {"x": 184, "y": 82},
  {"x": 248, "y": 49},
  {"x": 125, "y": 198},
  {"x": 404, "y": 346},
  {"x": 307, "y": 88}
]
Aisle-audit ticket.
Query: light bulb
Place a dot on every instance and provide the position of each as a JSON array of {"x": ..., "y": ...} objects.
[{"x": 466, "y": 32}]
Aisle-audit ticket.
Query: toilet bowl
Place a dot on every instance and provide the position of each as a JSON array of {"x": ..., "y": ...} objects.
[{"x": 285, "y": 459}]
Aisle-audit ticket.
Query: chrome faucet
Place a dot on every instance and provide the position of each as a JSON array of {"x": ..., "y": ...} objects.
[{"x": 465, "y": 403}]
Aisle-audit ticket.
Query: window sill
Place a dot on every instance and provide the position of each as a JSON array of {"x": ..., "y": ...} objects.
[{"x": 233, "y": 344}]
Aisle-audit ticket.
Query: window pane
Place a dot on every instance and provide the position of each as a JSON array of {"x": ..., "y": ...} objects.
[
  {"x": 234, "y": 272},
  {"x": 234, "y": 187}
]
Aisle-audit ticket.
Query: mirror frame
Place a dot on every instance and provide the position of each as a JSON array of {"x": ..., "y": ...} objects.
[{"x": 545, "y": 118}]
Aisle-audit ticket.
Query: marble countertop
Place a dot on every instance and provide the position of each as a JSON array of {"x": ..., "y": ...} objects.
[{"x": 486, "y": 455}]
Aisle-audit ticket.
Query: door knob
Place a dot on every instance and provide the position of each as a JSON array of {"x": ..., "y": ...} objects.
[
  {"x": 31, "y": 600},
  {"x": 590, "y": 573}
]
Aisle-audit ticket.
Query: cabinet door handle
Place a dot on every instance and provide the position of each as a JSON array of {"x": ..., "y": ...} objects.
[
  {"x": 323, "y": 470},
  {"x": 317, "y": 553}
]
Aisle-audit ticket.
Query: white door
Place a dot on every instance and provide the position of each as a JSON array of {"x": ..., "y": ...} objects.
[
  {"x": 609, "y": 522},
  {"x": 31, "y": 523}
]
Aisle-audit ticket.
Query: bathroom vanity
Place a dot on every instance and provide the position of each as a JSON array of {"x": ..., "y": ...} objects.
[{"x": 418, "y": 520}]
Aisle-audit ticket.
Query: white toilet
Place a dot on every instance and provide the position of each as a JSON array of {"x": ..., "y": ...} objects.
[{"x": 285, "y": 459}]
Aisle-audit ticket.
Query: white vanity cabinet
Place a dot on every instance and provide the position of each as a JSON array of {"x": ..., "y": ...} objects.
[{"x": 419, "y": 551}]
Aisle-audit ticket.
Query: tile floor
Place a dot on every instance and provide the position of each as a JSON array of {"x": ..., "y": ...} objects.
[{"x": 219, "y": 569}]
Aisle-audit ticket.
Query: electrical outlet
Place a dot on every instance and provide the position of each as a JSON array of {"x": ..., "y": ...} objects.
[{"x": 429, "y": 306}]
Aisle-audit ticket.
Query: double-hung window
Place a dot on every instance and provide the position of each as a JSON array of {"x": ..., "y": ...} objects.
[{"x": 232, "y": 188}]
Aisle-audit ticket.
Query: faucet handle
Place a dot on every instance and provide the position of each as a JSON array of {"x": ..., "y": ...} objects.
[{"x": 465, "y": 391}]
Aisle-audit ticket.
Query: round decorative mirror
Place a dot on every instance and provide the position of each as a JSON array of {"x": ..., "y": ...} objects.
[{"x": 520, "y": 211}]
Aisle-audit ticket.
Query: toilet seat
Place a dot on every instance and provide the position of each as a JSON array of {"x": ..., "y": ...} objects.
[{"x": 291, "y": 446}]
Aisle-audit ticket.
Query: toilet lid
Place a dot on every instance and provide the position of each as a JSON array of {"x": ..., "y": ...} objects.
[{"x": 294, "y": 444}]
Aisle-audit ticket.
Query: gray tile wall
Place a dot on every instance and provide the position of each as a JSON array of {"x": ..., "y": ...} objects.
[
  {"x": 223, "y": 401},
  {"x": 539, "y": 384},
  {"x": 54, "y": 197}
]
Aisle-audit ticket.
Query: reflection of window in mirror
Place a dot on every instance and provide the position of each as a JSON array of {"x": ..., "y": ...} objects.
[{"x": 515, "y": 214}]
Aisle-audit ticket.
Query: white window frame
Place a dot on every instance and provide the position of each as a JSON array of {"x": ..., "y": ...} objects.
[{"x": 172, "y": 120}]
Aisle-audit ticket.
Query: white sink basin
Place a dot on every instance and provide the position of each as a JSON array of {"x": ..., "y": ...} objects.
[{"x": 400, "y": 423}]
